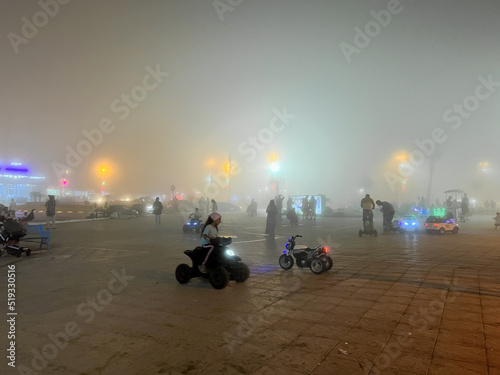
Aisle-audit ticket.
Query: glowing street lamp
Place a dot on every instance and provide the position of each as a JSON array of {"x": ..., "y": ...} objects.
[
  {"x": 274, "y": 166},
  {"x": 103, "y": 171}
]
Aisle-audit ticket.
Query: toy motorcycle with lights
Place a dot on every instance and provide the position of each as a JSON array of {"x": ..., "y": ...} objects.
[
  {"x": 192, "y": 224},
  {"x": 316, "y": 259},
  {"x": 222, "y": 265}
]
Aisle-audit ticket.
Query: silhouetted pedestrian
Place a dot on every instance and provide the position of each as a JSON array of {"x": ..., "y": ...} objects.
[{"x": 271, "y": 218}]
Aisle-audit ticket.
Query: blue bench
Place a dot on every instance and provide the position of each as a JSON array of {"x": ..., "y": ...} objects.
[{"x": 36, "y": 233}]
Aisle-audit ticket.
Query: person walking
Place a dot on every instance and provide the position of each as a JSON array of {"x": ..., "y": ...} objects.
[
  {"x": 271, "y": 211},
  {"x": 157, "y": 210},
  {"x": 13, "y": 207},
  {"x": 50, "y": 211},
  {"x": 213, "y": 206}
]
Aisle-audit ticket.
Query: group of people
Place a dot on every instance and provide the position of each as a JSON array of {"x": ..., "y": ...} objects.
[
  {"x": 7, "y": 213},
  {"x": 368, "y": 205},
  {"x": 309, "y": 208},
  {"x": 490, "y": 204},
  {"x": 274, "y": 212},
  {"x": 207, "y": 205}
]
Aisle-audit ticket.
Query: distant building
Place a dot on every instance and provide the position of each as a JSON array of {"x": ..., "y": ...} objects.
[{"x": 18, "y": 182}]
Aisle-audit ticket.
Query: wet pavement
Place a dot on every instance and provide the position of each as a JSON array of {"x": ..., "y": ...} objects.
[{"x": 104, "y": 300}]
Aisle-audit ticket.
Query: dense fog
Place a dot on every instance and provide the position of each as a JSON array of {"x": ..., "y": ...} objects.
[{"x": 395, "y": 98}]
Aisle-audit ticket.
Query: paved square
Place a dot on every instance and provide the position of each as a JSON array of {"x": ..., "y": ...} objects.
[{"x": 104, "y": 300}]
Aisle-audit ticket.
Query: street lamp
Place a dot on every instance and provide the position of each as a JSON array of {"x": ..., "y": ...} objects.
[
  {"x": 274, "y": 166},
  {"x": 103, "y": 171}
]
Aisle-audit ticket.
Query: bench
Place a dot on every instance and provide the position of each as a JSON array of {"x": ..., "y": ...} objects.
[{"x": 36, "y": 233}]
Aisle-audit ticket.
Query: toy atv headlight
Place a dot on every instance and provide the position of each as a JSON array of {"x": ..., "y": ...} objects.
[{"x": 229, "y": 252}]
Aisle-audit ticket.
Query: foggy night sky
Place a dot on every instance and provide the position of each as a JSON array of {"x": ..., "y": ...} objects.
[{"x": 226, "y": 79}]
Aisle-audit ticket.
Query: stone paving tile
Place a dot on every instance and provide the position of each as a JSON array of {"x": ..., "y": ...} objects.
[
  {"x": 493, "y": 357},
  {"x": 295, "y": 358},
  {"x": 462, "y": 337},
  {"x": 365, "y": 351},
  {"x": 313, "y": 344},
  {"x": 459, "y": 352},
  {"x": 379, "y": 314},
  {"x": 341, "y": 364},
  {"x": 463, "y": 316},
  {"x": 408, "y": 343},
  {"x": 444, "y": 366},
  {"x": 381, "y": 325},
  {"x": 241, "y": 364},
  {"x": 279, "y": 370},
  {"x": 404, "y": 361},
  {"x": 417, "y": 330}
]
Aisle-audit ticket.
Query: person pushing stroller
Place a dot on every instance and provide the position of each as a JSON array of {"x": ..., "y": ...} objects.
[{"x": 367, "y": 204}]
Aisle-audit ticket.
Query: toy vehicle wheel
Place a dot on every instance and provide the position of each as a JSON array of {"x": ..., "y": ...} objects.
[
  {"x": 219, "y": 278},
  {"x": 240, "y": 272},
  {"x": 183, "y": 273},
  {"x": 286, "y": 262},
  {"x": 185, "y": 229},
  {"x": 455, "y": 230},
  {"x": 360, "y": 233},
  {"x": 329, "y": 263},
  {"x": 28, "y": 252},
  {"x": 442, "y": 231},
  {"x": 318, "y": 266}
]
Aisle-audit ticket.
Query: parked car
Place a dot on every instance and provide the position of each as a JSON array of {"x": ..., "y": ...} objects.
[
  {"x": 121, "y": 211},
  {"x": 437, "y": 224}
]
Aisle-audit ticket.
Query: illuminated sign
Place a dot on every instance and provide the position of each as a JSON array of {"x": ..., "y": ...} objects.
[
  {"x": 297, "y": 202},
  {"x": 17, "y": 171}
]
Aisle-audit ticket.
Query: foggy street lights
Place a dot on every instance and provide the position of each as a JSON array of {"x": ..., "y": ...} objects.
[
  {"x": 103, "y": 172},
  {"x": 274, "y": 166},
  {"x": 483, "y": 166}
]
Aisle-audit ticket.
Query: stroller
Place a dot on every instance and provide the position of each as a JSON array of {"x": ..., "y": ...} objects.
[{"x": 10, "y": 235}]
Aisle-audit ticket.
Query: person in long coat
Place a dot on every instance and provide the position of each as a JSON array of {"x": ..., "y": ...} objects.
[{"x": 272, "y": 211}]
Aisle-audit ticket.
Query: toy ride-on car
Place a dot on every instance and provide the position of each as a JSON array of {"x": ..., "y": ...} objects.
[
  {"x": 192, "y": 225},
  {"x": 222, "y": 265},
  {"x": 409, "y": 222},
  {"x": 316, "y": 259},
  {"x": 436, "y": 224}
]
